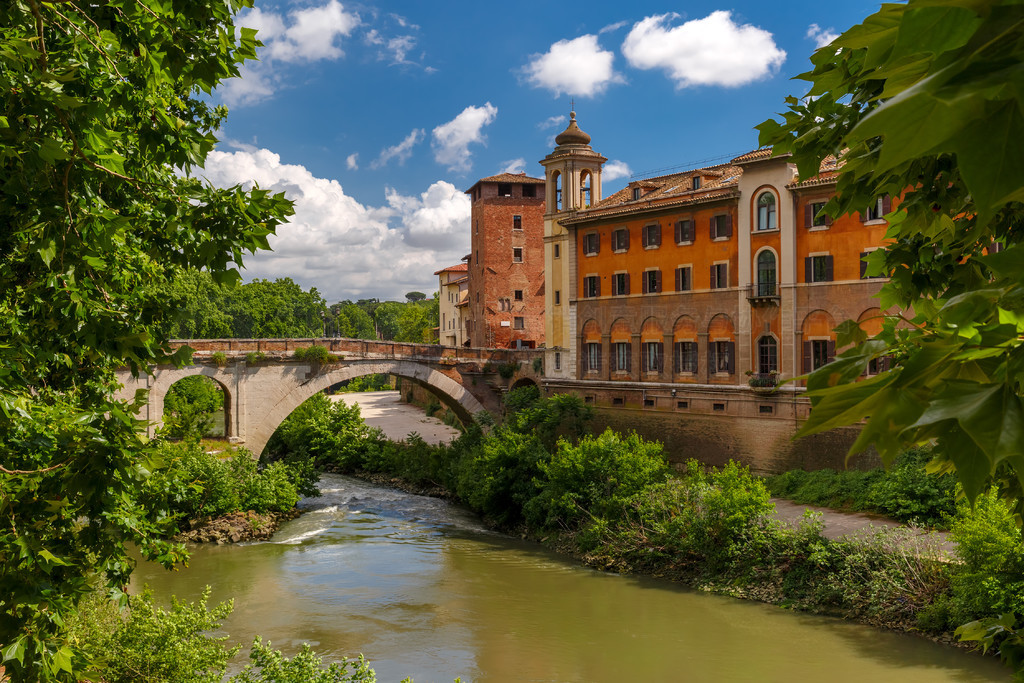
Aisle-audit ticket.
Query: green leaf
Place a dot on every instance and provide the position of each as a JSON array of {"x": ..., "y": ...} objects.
[
  {"x": 48, "y": 251},
  {"x": 935, "y": 30},
  {"x": 989, "y": 158},
  {"x": 15, "y": 650},
  {"x": 51, "y": 151}
]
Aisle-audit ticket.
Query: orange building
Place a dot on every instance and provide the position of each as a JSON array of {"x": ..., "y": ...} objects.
[{"x": 727, "y": 275}]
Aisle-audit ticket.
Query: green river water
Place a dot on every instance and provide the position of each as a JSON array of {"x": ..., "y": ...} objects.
[{"x": 422, "y": 589}]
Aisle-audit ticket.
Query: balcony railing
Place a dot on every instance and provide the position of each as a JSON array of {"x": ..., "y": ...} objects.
[
  {"x": 763, "y": 293},
  {"x": 763, "y": 380}
]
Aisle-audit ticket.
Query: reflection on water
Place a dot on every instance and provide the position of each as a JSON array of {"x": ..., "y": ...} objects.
[{"x": 423, "y": 589}]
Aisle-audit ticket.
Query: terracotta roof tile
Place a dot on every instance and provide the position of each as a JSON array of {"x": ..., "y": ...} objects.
[
  {"x": 755, "y": 155},
  {"x": 520, "y": 178},
  {"x": 457, "y": 268}
]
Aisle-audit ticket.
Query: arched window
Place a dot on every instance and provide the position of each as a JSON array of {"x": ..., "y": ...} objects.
[
  {"x": 557, "y": 180},
  {"x": 767, "y": 355},
  {"x": 766, "y": 274},
  {"x": 585, "y": 189},
  {"x": 766, "y": 214}
]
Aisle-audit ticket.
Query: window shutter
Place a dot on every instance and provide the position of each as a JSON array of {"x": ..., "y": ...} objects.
[
  {"x": 828, "y": 219},
  {"x": 689, "y": 230},
  {"x": 863, "y": 264},
  {"x": 711, "y": 358},
  {"x": 885, "y": 363},
  {"x": 828, "y": 268},
  {"x": 732, "y": 357},
  {"x": 808, "y": 215},
  {"x": 831, "y": 350},
  {"x": 629, "y": 357},
  {"x": 586, "y": 356},
  {"x": 657, "y": 235},
  {"x": 886, "y": 205},
  {"x": 712, "y": 227},
  {"x": 807, "y": 357},
  {"x": 598, "y": 349},
  {"x": 645, "y": 281},
  {"x": 661, "y": 356},
  {"x": 657, "y": 281},
  {"x": 808, "y": 269},
  {"x": 679, "y": 231},
  {"x": 696, "y": 355},
  {"x": 677, "y": 360},
  {"x": 626, "y": 247},
  {"x": 626, "y": 283},
  {"x": 597, "y": 243},
  {"x": 597, "y": 288},
  {"x": 714, "y": 280},
  {"x": 679, "y": 278},
  {"x": 728, "y": 225}
]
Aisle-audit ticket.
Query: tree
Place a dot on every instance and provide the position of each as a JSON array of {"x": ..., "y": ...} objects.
[
  {"x": 413, "y": 297},
  {"x": 924, "y": 101},
  {"x": 104, "y": 119}
]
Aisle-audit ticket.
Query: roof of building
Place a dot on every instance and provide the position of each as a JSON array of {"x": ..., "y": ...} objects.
[
  {"x": 520, "y": 178},
  {"x": 457, "y": 268},
  {"x": 756, "y": 155},
  {"x": 828, "y": 172},
  {"x": 572, "y": 135}
]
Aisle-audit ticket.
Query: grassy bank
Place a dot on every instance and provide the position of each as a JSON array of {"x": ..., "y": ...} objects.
[{"x": 613, "y": 501}]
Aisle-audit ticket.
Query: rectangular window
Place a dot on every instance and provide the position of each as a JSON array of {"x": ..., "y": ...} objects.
[
  {"x": 558, "y": 297},
  {"x": 636, "y": 193},
  {"x": 592, "y": 360},
  {"x": 684, "y": 231},
  {"x": 529, "y": 190},
  {"x": 558, "y": 360},
  {"x": 558, "y": 252},
  {"x": 695, "y": 184},
  {"x": 591, "y": 243},
  {"x": 652, "y": 356},
  {"x": 718, "y": 407},
  {"x": 648, "y": 403},
  {"x": 504, "y": 190},
  {"x": 819, "y": 353},
  {"x": 618, "y": 401},
  {"x": 818, "y": 268},
  {"x": 622, "y": 356},
  {"x": 519, "y": 323},
  {"x": 765, "y": 410},
  {"x": 517, "y": 222},
  {"x": 682, "y": 404},
  {"x": 721, "y": 226},
  {"x": 517, "y": 295},
  {"x": 652, "y": 236},
  {"x": 720, "y": 357},
  {"x": 620, "y": 284},
  {"x": 592, "y": 286},
  {"x": 686, "y": 357},
  {"x": 517, "y": 254},
  {"x": 720, "y": 276},
  {"x": 813, "y": 216},
  {"x": 588, "y": 399},
  {"x": 684, "y": 279},
  {"x": 882, "y": 206},
  {"x": 652, "y": 281},
  {"x": 620, "y": 240}
]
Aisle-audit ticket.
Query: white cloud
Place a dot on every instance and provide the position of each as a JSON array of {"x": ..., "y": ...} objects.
[
  {"x": 574, "y": 67},
  {"x": 342, "y": 247},
  {"x": 821, "y": 36},
  {"x": 614, "y": 170},
  {"x": 254, "y": 83},
  {"x": 613, "y": 27},
  {"x": 452, "y": 139},
  {"x": 513, "y": 165},
  {"x": 709, "y": 51},
  {"x": 352, "y": 161},
  {"x": 312, "y": 33},
  {"x": 552, "y": 122},
  {"x": 402, "y": 151},
  {"x": 393, "y": 49}
]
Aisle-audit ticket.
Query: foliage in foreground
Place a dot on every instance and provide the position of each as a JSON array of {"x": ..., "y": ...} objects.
[
  {"x": 922, "y": 102},
  {"x": 905, "y": 492},
  {"x": 149, "y": 644},
  {"x": 105, "y": 116}
]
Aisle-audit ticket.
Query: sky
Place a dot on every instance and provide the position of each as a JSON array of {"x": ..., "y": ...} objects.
[{"x": 376, "y": 118}]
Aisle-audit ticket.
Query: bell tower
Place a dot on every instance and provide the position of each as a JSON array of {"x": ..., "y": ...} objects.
[{"x": 572, "y": 174}]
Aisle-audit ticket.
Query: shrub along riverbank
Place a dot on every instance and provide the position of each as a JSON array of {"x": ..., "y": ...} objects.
[{"x": 612, "y": 501}]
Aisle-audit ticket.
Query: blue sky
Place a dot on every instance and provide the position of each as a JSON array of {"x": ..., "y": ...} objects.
[{"x": 375, "y": 118}]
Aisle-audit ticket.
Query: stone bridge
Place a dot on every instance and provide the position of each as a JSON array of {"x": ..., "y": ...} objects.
[{"x": 264, "y": 382}]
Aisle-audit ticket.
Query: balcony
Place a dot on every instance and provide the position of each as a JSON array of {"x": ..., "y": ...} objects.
[
  {"x": 763, "y": 293},
  {"x": 764, "y": 382}
]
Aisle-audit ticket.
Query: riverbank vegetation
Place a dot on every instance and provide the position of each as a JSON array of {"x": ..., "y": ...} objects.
[
  {"x": 906, "y": 492},
  {"x": 613, "y": 501}
]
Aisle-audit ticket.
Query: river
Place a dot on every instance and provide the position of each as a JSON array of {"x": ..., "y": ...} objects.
[{"x": 422, "y": 589}]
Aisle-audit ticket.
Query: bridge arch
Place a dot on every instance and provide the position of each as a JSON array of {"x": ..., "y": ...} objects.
[
  {"x": 164, "y": 380},
  {"x": 453, "y": 394}
]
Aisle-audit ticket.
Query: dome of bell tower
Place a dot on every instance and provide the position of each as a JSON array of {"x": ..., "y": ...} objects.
[{"x": 572, "y": 135}]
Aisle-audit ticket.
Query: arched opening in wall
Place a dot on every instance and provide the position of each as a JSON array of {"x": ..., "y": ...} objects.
[
  {"x": 590, "y": 349},
  {"x": 621, "y": 338},
  {"x": 819, "y": 337},
  {"x": 685, "y": 353},
  {"x": 197, "y": 406},
  {"x": 767, "y": 216},
  {"x": 377, "y": 381},
  {"x": 307, "y": 419},
  {"x": 767, "y": 355},
  {"x": 556, "y": 182},
  {"x": 767, "y": 273},
  {"x": 586, "y": 189},
  {"x": 721, "y": 347},
  {"x": 652, "y": 347}
]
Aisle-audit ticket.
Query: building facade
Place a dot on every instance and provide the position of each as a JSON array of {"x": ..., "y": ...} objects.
[
  {"x": 453, "y": 296},
  {"x": 505, "y": 299}
]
